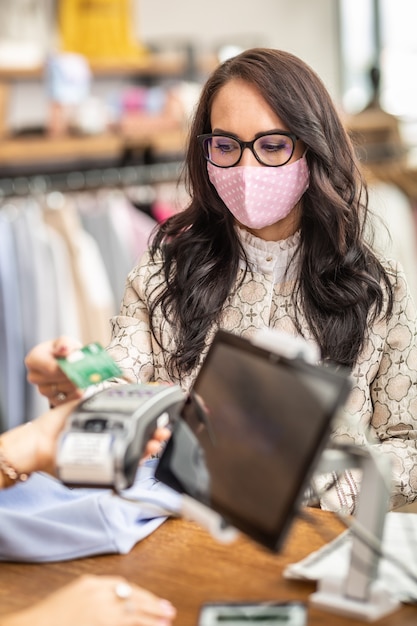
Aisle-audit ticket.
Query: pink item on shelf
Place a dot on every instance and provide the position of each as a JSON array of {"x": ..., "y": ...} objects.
[{"x": 134, "y": 99}]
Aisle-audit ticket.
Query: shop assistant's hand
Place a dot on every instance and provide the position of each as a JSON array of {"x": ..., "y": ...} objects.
[
  {"x": 154, "y": 444},
  {"x": 97, "y": 601},
  {"x": 44, "y": 372},
  {"x": 31, "y": 447}
]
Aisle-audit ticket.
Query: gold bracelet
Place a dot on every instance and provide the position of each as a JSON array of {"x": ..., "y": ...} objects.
[{"x": 10, "y": 472}]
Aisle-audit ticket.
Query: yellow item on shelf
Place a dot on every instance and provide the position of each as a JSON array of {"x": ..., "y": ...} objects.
[{"x": 101, "y": 30}]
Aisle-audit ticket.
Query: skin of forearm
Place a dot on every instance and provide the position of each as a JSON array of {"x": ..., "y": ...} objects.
[{"x": 32, "y": 446}]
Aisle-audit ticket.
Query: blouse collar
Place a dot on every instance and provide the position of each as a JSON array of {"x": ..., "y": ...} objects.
[{"x": 270, "y": 257}]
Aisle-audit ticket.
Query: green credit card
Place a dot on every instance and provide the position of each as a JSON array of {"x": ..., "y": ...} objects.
[{"x": 89, "y": 365}]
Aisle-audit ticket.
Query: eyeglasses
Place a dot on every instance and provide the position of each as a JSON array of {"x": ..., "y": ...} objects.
[{"x": 270, "y": 149}]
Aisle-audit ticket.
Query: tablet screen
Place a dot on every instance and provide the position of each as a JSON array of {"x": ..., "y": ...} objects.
[{"x": 250, "y": 433}]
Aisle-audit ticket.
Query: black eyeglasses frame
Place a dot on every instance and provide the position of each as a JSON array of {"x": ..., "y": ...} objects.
[{"x": 248, "y": 144}]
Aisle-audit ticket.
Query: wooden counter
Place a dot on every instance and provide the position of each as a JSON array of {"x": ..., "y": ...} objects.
[{"x": 182, "y": 563}]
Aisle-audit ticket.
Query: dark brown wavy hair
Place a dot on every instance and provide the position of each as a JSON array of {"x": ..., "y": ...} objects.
[{"x": 340, "y": 287}]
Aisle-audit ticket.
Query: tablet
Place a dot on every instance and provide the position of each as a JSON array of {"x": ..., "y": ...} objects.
[{"x": 250, "y": 434}]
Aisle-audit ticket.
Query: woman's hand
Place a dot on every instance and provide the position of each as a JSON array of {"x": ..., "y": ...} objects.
[
  {"x": 44, "y": 372},
  {"x": 97, "y": 601}
]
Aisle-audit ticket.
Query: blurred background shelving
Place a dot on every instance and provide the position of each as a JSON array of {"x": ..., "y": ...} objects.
[
  {"x": 28, "y": 150},
  {"x": 133, "y": 109}
]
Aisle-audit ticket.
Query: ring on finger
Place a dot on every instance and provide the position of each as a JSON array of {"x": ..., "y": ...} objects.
[{"x": 123, "y": 591}]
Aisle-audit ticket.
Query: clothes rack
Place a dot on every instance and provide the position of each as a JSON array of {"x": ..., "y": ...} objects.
[
  {"x": 90, "y": 179},
  {"x": 64, "y": 262}
]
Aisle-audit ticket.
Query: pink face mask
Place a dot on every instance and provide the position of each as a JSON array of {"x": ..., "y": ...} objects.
[{"x": 260, "y": 196}]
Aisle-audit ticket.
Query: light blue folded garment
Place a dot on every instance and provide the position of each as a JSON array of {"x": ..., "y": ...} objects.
[{"x": 42, "y": 520}]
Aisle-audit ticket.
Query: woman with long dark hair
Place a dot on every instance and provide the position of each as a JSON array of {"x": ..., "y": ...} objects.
[{"x": 274, "y": 236}]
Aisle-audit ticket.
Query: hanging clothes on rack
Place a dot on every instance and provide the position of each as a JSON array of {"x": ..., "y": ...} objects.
[
  {"x": 38, "y": 251},
  {"x": 93, "y": 293},
  {"x": 11, "y": 341},
  {"x": 64, "y": 258},
  {"x": 67, "y": 242},
  {"x": 121, "y": 231},
  {"x": 38, "y": 296}
]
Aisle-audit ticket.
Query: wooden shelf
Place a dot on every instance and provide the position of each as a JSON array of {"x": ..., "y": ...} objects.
[
  {"x": 158, "y": 65},
  {"x": 34, "y": 152},
  {"x": 30, "y": 149},
  {"x": 16, "y": 153},
  {"x": 147, "y": 66}
]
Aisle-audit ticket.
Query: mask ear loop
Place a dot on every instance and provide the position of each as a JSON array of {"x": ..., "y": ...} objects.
[{"x": 301, "y": 157}]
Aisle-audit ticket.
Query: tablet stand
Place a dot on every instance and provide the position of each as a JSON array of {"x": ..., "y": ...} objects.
[{"x": 360, "y": 594}]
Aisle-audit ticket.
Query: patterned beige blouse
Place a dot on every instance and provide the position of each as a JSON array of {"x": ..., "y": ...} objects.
[{"x": 382, "y": 407}]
